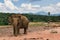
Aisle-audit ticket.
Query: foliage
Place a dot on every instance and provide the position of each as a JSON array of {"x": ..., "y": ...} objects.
[{"x": 31, "y": 17}]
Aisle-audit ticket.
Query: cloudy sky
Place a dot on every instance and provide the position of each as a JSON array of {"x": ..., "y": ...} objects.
[{"x": 26, "y": 6}]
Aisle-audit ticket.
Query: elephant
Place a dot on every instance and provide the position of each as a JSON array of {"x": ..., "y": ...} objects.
[{"x": 18, "y": 21}]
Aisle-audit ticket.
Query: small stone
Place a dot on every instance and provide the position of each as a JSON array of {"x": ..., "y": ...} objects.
[
  {"x": 25, "y": 38},
  {"x": 37, "y": 38},
  {"x": 33, "y": 38},
  {"x": 53, "y": 31},
  {"x": 41, "y": 38},
  {"x": 3, "y": 39},
  {"x": 47, "y": 39}
]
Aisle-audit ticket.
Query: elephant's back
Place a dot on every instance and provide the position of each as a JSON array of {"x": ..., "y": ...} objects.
[{"x": 24, "y": 19}]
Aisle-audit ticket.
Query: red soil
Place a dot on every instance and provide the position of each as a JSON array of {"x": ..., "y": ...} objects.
[{"x": 33, "y": 34}]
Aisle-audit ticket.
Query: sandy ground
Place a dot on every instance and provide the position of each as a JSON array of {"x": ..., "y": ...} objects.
[{"x": 34, "y": 33}]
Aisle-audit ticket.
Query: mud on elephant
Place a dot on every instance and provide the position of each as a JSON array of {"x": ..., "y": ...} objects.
[{"x": 18, "y": 21}]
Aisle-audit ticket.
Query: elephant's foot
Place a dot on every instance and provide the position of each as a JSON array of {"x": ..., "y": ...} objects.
[
  {"x": 18, "y": 31},
  {"x": 15, "y": 35},
  {"x": 25, "y": 31}
]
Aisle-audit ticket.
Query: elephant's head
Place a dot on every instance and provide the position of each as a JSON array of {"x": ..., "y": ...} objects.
[{"x": 13, "y": 19}]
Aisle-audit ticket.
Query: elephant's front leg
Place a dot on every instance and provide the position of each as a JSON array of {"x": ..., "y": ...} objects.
[{"x": 15, "y": 31}]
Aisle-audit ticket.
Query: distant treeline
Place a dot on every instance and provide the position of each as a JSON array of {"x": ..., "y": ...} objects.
[{"x": 31, "y": 17}]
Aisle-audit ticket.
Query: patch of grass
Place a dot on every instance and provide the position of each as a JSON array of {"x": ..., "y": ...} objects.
[
  {"x": 54, "y": 31},
  {"x": 42, "y": 23},
  {"x": 38, "y": 24}
]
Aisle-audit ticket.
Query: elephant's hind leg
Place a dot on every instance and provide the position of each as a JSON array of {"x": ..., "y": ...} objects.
[
  {"x": 25, "y": 30},
  {"x": 18, "y": 30}
]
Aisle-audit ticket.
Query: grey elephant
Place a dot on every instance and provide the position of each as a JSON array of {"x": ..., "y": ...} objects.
[{"x": 18, "y": 21}]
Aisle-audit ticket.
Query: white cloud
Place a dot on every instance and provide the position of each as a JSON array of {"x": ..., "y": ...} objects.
[
  {"x": 36, "y": 8},
  {"x": 58, "y": 4},
  {"x": 15, "y": 0},
  {"x": 2, "y": 7},
  {"x": 34, "y": 0},
  {"x": 7, "y": 6},
  {"x": 48, "y": 9},
  {"x": 54, "y": 8},
  {"x": 29, "y": 7},
  {"x": 24, "y": 7},
  {"x": 10, "y": 5}
]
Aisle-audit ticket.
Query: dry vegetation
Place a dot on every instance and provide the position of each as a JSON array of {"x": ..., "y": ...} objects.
[
  {"x": 33, "y": 24},
  {"x": 38, "y": 24}
]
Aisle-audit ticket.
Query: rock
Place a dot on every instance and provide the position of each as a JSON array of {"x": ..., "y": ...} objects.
[
  {"x": 47, "y": 39},
  {"x": 54, "y": 31}
]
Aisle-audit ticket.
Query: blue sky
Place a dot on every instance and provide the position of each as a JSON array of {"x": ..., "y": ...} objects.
[{"x": 33, "y": 6}]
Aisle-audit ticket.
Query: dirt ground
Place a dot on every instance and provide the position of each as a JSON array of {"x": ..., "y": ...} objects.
[{"x": 34, "y": 33}]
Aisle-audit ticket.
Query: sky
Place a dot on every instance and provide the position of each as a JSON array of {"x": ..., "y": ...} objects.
[{"x": 30, "y": 6}]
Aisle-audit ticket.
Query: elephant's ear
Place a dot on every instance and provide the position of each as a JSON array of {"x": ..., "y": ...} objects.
[{"x": 10, "y": 19}]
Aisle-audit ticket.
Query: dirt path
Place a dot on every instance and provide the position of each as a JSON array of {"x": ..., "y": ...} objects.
[{"x": 34, "y": 33}]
